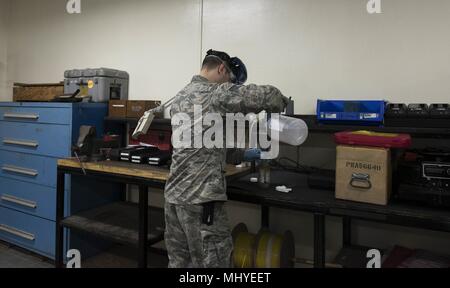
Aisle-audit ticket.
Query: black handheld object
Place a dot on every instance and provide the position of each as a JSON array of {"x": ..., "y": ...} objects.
[{"x": 69, "y": 98}]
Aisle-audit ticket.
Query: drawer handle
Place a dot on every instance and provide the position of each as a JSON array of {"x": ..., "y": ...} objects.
[
  {"x": 32, "y": 144},
  {"x": 21, "y": 116},
  {"x": 22, "y": 202},
  {"x": 17, "y": 232},
  {"x": 361, "y": 181},
  {"x": 118, "y": 106},
  {"x": 24, "y": 171}
]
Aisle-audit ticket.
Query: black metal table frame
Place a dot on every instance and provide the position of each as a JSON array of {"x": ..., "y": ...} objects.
[
  {"x": 347, "y": 214},
  {"x": 319, "y": 220},
  {"x": 319, "y": 212},
  {"x": 142, "y": 183}
]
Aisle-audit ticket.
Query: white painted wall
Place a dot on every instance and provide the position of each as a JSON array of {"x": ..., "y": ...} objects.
[
  {"x": 334, "y": 49},
  {"x": 4, "y": 14},
  {"x": 329, "y": 49},
  {"x": 310, "y": 49},
  {"x": 157, "y": 42}
]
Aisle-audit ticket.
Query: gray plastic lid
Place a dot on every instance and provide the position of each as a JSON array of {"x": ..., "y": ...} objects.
[
  {"x": 97, "y": 72},
  {"x": 73, "y": 73}
]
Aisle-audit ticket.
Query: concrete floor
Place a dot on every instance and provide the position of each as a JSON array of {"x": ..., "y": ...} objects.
[
  {"x": 13, "y": 257},
  {"x": 124, "y": 257},
  {"x": 117, "y": 257}
]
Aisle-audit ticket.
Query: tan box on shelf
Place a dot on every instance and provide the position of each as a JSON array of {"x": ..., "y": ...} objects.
[
  {"x": 118, "y": 108},
  {"x": 136, "y": 109},
  {"x": 363, "y": 174},
  {"x": 37, "y": 92}
]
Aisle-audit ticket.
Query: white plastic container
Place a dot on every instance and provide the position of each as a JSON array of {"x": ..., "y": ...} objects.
[{"x": 288, "y": 130}]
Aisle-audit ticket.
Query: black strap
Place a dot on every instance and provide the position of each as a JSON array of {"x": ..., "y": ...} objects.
[{"x": 208, "y": 213}]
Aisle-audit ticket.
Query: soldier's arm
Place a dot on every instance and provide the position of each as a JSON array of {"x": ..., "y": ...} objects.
[{"x": 231, "y": 98}]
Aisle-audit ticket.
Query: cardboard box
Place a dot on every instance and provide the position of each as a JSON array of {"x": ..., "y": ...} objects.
[
  {"x": 363, "y": 174},
  {"x": 37, "y": 92},
  {"x": 135, "y": 109},
  {"x": 118, "y": 108}
]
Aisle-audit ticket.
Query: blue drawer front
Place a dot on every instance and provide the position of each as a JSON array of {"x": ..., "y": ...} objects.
[
  {"x": 30, "y": 198},
  {"x": 28, "y": 168},
  {"x": 47, "y": 115},
  {"x": 28, "y": 231},
  {"x": 40, "y": 139}
]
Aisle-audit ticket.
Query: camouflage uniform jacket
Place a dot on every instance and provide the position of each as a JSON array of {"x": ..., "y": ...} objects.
[{"x": 197, "y": 175}]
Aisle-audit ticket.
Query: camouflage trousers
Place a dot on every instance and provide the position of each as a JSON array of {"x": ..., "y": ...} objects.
[{"x": 191, "y": 243}]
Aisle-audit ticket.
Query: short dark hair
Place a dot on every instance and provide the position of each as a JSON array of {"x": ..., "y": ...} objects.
[
  {"x": 211, "y": 62},
  {"x": 214, "y": 58}
]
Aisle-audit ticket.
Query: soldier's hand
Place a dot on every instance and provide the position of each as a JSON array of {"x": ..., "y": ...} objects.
[
  {"x": 282, "y": 103},
  {"x": 285, "y": 101},
  {"x": 252, "y": 154}
]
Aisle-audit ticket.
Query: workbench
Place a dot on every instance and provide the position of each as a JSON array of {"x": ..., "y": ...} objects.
[
  {"x": 322, "y": 203},
  {"x": 120, "y": 222}
]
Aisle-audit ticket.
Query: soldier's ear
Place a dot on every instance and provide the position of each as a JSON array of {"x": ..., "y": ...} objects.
[{"x": 221, "y": 68}]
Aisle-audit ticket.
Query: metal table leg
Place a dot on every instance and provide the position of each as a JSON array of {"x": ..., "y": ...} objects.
[
  {"x": 346, "y": 231},
  {"x": 59, "y": 243},
  {"x": 265, "y": 216},
  {"x": 143, "y": 225},
  {"x": 319, "y": 240}
]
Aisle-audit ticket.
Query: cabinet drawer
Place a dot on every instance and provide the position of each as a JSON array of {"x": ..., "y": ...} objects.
[
  {"x": 30, "y": 198},
  {"x": 28, "y": 168},
  {"x": 42, "y": 139},
  {"x": 57, "y": 115},
  {"x": 28, "y": 231}
]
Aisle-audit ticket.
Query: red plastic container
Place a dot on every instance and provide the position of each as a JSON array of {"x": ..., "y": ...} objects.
[{"x": 373, "y": 139}]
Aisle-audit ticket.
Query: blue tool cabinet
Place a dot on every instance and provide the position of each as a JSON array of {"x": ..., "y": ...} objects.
[{"x": 32, "y": 137}]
